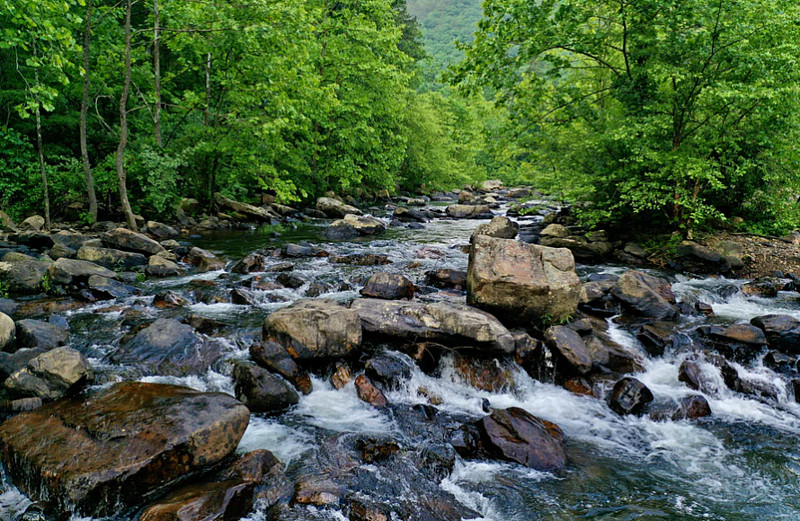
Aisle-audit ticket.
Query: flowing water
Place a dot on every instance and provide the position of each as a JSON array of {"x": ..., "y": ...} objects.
[{"x": 742, "y": 463}]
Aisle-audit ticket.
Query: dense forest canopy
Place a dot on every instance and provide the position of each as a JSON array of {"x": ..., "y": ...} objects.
[{"x": 674, "y": 112}]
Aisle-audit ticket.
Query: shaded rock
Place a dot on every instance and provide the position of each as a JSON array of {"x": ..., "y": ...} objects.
[
  {"x": 296, "y": 251},
  {"x": 50, "y": 375},
  {"x": 766, "y": 288},
  {"x": 735, "y": 382},
  {"x": 741, "y": 342},
  {"x": 780, "y": 362},
  {"x": 629, "y": 396},
  {"x": 451, "y": 324},
  {"x": 447, "y": 278},
  {"x": 317, "y": 490},
  {"x": 119, "y": 448},
  {"x": 499, "y": 227},
  {"x": 659, "y": 336},
  {"x": 255, "y": 262},
  {"x": 10, "y": 363},
  {"x": 690, "y": 373},
  {"x": 469, "y": 211},
  {"x": 388, "y": 370},
  {"x": 204, "y": 260},
  {"x": 22, "y": 275},
  {"x": 649, "y": 296},
  {"x": 112, "y": 259},
  {"x": 72, "y": 271},
  {"x": 782, "y": 332},
  {"x": 367, "y": 392},
  {"x": 353, "y": 226},
  {"x": 691, "y": 408},
  {"x": 520, "y": 282},
  {"x": 388, "y": 286},
  {"x": 243, "y": 297},
  {"x": 342, "y": 375},
  {"x": 124, "y": 239},
  {"x": 362, "y": 259},
  {"x": 516, "y": 435},
  {"x": 59, "y": 250},
  {"x": 262, "y": 391},
  {"x": 248, "y": 211},
  {"x": 275, "y": 358},
  {"x": 160, "y": 267},
  {"x": 335, "y": 208},
  {"x": 169, "y": 300},
  {"x": 314, "y": 328},
  {"x": 570, "y": 346},
  {"x": 32, "y": 224},
  {"x": 167, "y": 347},
  {"x": 6, "y": 223},
  {"x": 290, "y": 280},
  {"x": 104, "y": 288},
  {"x": 36, "y": 333},
  {"x": 591, "y": 246},
  {"x": 409, "y": 215},
  {"x": 162, "y": 231},
  {"x": 8, "y": 332}
]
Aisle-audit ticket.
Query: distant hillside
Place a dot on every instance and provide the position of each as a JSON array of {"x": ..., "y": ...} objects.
[{"x": 444, "y": 22}]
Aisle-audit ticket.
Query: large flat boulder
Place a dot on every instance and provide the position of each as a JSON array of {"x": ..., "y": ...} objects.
[
  {"x": 522, "y": 283},
  {"x": 22, "y": 274},
  {"x": 450, "y": 324},
  {"x": 72, "y": 271},
  {"x": 645, "y": 294},
  {"x": 110, "y": 258},
  {"x": 168, "y": 347},
  {"x": 335, "y": 208},
  {"x": 124, "y": 239},
  {"x": 114, "y": 451},
  {"x": 314, "y": 328},
  {"x": 469, "y": 211},
  {"x": 516, "y": 435},
  {"x": 246, "y": 210}
]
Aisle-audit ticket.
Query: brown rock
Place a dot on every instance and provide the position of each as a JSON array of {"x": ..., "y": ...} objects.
[
  {"x": 369, "y": 393},
  {"x": 516, "y": 435}
]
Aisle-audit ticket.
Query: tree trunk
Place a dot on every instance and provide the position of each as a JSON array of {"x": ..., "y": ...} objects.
[
  {"x": 40, "y": 147},
  {"x": 157, "y": 73},
  {"x": 87, "y": 167},
  {"x": 123, "y": 124},
  {"x": 207, "y": 110}
]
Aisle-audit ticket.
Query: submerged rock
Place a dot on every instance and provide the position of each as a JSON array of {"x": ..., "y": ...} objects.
[
  {"x": 516, "y": 435},
  {"x": 120, "y": 448},
  {"x": 388, "y": 286},
  {"x": 522, "y": 283}
]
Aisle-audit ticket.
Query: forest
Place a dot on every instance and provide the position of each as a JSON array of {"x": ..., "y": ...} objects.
[{"x": 676, "y": 113}]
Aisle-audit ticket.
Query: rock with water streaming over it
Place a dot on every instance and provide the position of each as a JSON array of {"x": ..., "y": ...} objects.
[
  {"x": 522, "y": 283},
  {"x": 451, "y": 324},
  {"x": 367, "y": 392},
  {"x": 647, "y": 295},
  {"x": 274, "y": 357},
  {"x": 314, "y": 328},
  {"x": 514, "y": 434},
  {"x": 120, "y": 448},
  {"x": 629, "y": 396}
]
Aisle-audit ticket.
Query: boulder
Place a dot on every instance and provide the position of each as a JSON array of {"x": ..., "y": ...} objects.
[
  {"x": 51, "y": 375},
  {"x": 367, "y": 392},
  {"x": 781, "y": 331},
  {"x": 469, "y": 211},
  {"x": 515, "y": 435},
  {"x": 32, "y": 224},
  {"x": 290, "y": 280},
  {"x": 262, "y": 391},
  {"x": 10, "y": 363},
  {"x": 274, "y": 357},
  {"x": 388, "y": 370},
  {"x": 247, "y": 211},
  {"x": 314, "y": 328},
  {"x": 104, "y": 288},
  {"x": 59, "y": 250},
  {"x": 22, "y": 274},
  {"x": 7, "y": 223},
  {"x": 555, "y": 231},
  {"x": 500, "y": 227},
  {"x": 447, "y": 278},
  {"x": 335, "y": 208},
  {"x": 569, "y": 346},
  {"x": 492, "y": 184},
  {"x": 72, "y": 271},
  {"x": 353, "y": 226},
  {"x": 127, "y": 240},
  {"x": 647, "y": 295},
  {"x": 204, "y": 260},
  {"x": 388, "y": 286},
  {"x": 160, "y": 267},
  {"x": 408, "y": 215},
  {"x": 255, "y": 262},
  {"x": 691, "y": 408},
  {"x": 629, "y": 396},
  {"x": 297, "y": 251},
  {"x": 168, "y": 348},
  {"x": 112, "y": 259},
  {"x": 162, "y": 231},
  {"x": 36, "y": 333},
  {"x": 487, "y": 374},
  {"x": 8, "y": 332},
  {"x": 120, "y": 448},
  {"x": 342, "y": 375},
  {"x": 522, "y": 283},
  {"x": 451, "y": 324},
  {"x": 741, "y": 342}
]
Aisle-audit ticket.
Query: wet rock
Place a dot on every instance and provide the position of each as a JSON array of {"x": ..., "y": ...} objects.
[
  {"x": 516, "y": 435},
  {"x": 262, "y": 391},
  {"x": 72, "y": 271},
  {"x": 388, "y": 370},
  {"x": 317, "y": 490},
  {"x": 203, "y": 324},
  {"x": 248, "y": 211},
  {"x": 169, "y": 348},
  {"x": 362, "y": 259},
  {"x": 741, "y": 342},
  {"x": 32, "y": 224},
  {"x": 204, "y": 260},
  {"x": 629, "y": 396},
  {"x": 290, "y": 280},
  {"x": 647, "y": 295},
  {"x": 8, "y": 331},
  {"x": 296, "y": 251},
  {"x": 691, "y": 408},
  {"x": 353, "y": 226},
  {"x": 450, "y": 324},
  {"x": 447, "y": 278},
  {"x": 367, "y": 392},
  {"x": 22, "y": 275},
  {"x": 255, "y": 262},
  {"x": 335, "y": 208},
  {"x": 342, "y": 375},
  {"x": 169, "y": 300},
  {"x": 275, "y": 358},
  {"x": 112, "y": 259},
  {"x": 104, "y": 288},
  {"x": 658, "y": 337},
  {"x": 690, "y": 373},
  {"x": 735, "y": 382},
  {"x": 780, "y": 362},
  {"x": 408, "y": 215},
  {"x": 314, "y": 328},
  {"x": 124, "y": 239},
  {"x": 375, "y": 450},
  {"x": 243, "y": 297},
  {"x": 36, "y": 333},
  {"x": 227, "y": 495},
  {"x": 120, "y": 448},
  {"x": 781, "y": 331},
  {"x": 520, "y": 282},
  {"x": 499, "y": 227},
  {"x": 765, "y": 288},
  {"x": 469, "y": 211},
  {"x": 51, "y": 375},
  {"x": 388, "y": 286},
  {"x": 570, "y": 347},
  {"x": 159, "y": 267},
  {"x": 490, "y": 375}
]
